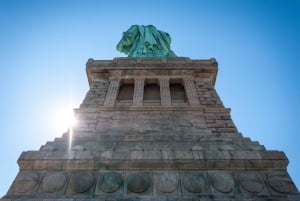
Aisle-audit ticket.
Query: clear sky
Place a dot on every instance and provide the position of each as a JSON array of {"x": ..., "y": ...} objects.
[{"x": 44, "y": 46}]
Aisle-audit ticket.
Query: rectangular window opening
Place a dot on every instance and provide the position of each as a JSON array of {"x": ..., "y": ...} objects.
[
  {"x": 177, "y": 91},
  {"x": 126, "y": 91},
  {"x": 151, "y": 91}
]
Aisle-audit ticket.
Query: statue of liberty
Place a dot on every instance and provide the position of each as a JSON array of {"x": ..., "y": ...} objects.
[{"x": 145, "y": 41}]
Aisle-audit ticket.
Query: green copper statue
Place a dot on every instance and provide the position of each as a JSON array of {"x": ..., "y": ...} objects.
[{"x": 145, "y": 41}]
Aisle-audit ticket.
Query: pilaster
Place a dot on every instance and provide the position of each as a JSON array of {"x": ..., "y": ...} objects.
[
  {"x": 112, "y": 92},
  {"x": 191, "y": 92},
  {"x": 138, "y": 91},
  {"x": 165, "y": 91}
]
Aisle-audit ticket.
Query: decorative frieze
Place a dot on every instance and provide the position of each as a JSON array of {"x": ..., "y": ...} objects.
[{"x": 184, "y": 184}]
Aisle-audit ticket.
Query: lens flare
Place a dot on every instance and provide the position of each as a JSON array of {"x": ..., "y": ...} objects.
[{"x": 65, "y": 121}]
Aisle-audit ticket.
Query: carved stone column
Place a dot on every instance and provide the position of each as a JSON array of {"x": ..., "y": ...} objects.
[
  {"x": 191, "y": 92},
  {"x": 112, "y": 93},
  {"x": 165, "y": 96},
  {"x": 138, "y": 91}
]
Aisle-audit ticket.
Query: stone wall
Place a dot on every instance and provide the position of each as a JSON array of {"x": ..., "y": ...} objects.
[{"x": 96, "y": 95}]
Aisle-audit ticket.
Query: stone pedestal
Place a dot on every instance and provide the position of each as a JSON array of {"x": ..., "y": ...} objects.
[{"x": 168, "y": 147}]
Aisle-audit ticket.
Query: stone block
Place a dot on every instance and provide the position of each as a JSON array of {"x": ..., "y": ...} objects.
[
  {"x": 152, "y": 155},
  {"x": 273, "y": 155},
  {"x": 79, "y": 164},
  {"x": 257, "y": 164},
  {"x": 86, "y": 154},
  {"x": 214, "y": 154},
  {"x": 244, "y": 155},
  {"x": 26, "y": 164},
  {"x": 280, "y": 164},
  {"x": 198, "y": 155},
  {"x": 182, "y": 154}
]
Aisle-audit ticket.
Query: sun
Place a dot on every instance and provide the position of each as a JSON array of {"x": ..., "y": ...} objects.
[{"x": 64, "y": 118}]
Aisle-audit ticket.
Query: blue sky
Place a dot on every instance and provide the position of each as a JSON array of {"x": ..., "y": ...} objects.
[{"x": 45, "y": 45}]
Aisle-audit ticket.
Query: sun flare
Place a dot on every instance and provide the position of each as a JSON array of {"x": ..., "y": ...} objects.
[{"x": 64, "y": 119}]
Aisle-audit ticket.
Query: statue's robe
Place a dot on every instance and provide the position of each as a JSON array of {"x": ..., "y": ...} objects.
[{"x": 145, "y": 41}]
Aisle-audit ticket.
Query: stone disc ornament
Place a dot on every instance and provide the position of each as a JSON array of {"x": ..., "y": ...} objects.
[
  {"x": 251, "y": 182},
  {"x": 110, "y": 182},
  {"x": 26, "y": 182},
  {"x": 195, "y": 182},
  {"x": 53, "y": 182},
  {"x": 281, "y": 183},
  {"x": 222, "y": 182},
  {"x": 138, "y": 182},
  {"x": 81, "y": 182},
  {"x": 166, "y": 182}
]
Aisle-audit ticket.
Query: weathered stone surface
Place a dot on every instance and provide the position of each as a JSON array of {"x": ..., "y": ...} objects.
[
  {"x": 281, "y": 182},
  {"x": 251, "y": 182},
  {"x": 53, "y": 182},
  {"x": 138, "y": 182},
  {"x": 81, "y": 181},
  {"x": 222, "y": 182},
  {"x": 26, "y": 182},
  {"x": 166, "y": 182},
  {"x": 110, "y": 182},
  {"x": 195, "y": 182}
]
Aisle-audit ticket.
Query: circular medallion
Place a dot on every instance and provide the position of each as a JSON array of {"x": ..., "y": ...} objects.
[
  {"x": 110, "y": 182},
  {"x": 281, "y": 182},
  {"x": 251, "y": 182},
  {"x": 138, "y": 182},
  {"x": 25, "y": 182},
  {"x": 166, "y": 182},
  {"x": 53, "y": 182},
  {"x": 81, "y": 182},
  {"x": 223, "y": 182},
  {"x": 194, "y": 182}
]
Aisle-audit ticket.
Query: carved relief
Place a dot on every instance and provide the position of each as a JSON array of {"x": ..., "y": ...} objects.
[
  {"x": 26, "y": 182},
  {"x": 166, "y": 182},
  {"x": 81, "y": 182},
  {"x": 138, "y": 182},
  {"x": 110, "y": 182},
  {"x": 195, "y": 182},
  {"x": 251, "y": 182},
  {"x": 222, "y": 182},
  {"x": 53, "y": 182},
  {"x": 281, "y": 182}
]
